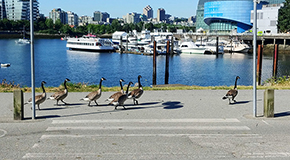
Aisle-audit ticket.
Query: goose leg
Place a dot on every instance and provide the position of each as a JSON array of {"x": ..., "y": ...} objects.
[
  {"x": 38, "y": 107},
  {"x": 124, "y": 107},
  {"x": 64, "y": 102},
  {"x": 137, "y": 102},
  {"x": 96, "y": 103},
  {"x": 134, "y": 101},
  {"x": 89, "y": 103},
  {"x": 116, "y": 107}
]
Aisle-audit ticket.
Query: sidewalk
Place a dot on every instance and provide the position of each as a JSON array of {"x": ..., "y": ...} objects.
[{"x": 178, "y": 103}]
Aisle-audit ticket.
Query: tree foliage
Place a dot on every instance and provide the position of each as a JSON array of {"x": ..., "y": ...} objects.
[
  {"x": 284, "y": 17},
  {"x": 47, "y": 26}
]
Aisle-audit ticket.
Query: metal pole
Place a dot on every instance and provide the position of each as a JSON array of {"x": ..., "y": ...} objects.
[
  {"x": 167, "y": 63},
  {"x": 32, "y": 59},
  {"x": 254, "y": 60},
  {"x": 154, "y": 62}
]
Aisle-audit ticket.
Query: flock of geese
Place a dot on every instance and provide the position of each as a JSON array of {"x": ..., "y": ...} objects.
[{"x": 117, "y": 99}]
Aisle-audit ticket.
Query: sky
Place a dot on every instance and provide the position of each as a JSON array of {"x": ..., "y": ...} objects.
[{"x": 119, "y": 8}]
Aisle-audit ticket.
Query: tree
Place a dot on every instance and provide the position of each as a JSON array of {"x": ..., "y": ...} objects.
[
  {"x": 284, "y": 17},
  {"x": 49, "y": 23}
]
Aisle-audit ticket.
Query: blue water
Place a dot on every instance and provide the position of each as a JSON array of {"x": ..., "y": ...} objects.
[{"x": 54, "y": 62}]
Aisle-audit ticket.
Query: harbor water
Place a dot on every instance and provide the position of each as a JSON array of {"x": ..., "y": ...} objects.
[{"x": 54, "y": 62}]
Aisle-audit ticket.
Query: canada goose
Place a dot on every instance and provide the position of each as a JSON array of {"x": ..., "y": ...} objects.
[
  {"x": 61, "y": 95},
  {"x": 136, "y": 93},
  {"x": 39, "y": 98},
  {"x": 93, "y": 96},
  {"x": 231, "y": 94},
  {"x": 123, "y": 98},
  {"x": 115, "y": 96}
]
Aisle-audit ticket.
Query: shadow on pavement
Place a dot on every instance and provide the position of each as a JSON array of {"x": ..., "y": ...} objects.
[
  {"x": 172, "y": 105},
  {"x": 282, "y": 114}
]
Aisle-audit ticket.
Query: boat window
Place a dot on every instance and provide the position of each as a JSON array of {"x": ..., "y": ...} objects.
[{"x": 184, "y": 46}]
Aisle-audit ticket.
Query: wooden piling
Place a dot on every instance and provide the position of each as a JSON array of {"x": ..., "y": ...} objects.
[
  {"x": 167, "y": 63},
  {"x": 121, "y": 45},
  {"x": 18, "y": 105},
  {"x": 259, "y": 63},
  {"x": 269, "y": 103},
  {"x": 217, "y": 45},
  {"x": 154, "y": 63},
  {"x": 275, "y": 60}
]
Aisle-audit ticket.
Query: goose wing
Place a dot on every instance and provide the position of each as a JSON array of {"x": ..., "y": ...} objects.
[
  {"x": 136, "y": 93},
  {"x": 94, "y": 95}
]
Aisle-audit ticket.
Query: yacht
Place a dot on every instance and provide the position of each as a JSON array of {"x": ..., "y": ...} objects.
[
  {"x": 237, "y": 46},
  {"x": 90, "y": 44},
  {"x": 189, "y": 47}
]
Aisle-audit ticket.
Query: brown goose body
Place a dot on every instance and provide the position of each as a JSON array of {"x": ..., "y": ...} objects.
[
  {"x": 114, "y": 97},
  {"x": 136, "y": 93},
  {"x": 232, "y": 93},
  {"x": 121, "y": 100},
  {"x": 94, "y": 96},
  {"x": 61, "y": 95},
  {"x": 39, "y": 98}
]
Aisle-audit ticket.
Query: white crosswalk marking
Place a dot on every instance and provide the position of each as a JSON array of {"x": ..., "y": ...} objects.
[{"x": 141, "y": 138}]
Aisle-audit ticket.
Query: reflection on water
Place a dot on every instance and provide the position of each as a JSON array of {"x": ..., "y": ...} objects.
[{"x": 54, "y": 62}]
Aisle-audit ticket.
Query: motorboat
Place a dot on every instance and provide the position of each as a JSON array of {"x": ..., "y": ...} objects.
[
  {"x": 90, "y": 44},
  {"x": 237, "y": 46},
  {"x": 189, "y": 47},
  {"x": 5, "y": 64},
  {"x": 22, "y": 41}
]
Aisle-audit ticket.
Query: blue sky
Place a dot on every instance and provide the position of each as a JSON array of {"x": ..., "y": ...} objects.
[{"x": 118, "y": 8}]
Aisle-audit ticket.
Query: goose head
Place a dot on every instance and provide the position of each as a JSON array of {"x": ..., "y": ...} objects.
[
  {"x": 66, "y": 80},
  {"x": 139, "y": 76},
  {"x": 43, "y": 82},
  {"x": 103, "y": 78},
  {"x": 121, "y": 80},
  {"x": 238, "y": 77}
]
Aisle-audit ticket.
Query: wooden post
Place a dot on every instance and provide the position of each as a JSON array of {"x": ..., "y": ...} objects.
[
  {"x": 18, "y": 105},
  {"x": 121, "y": 44},
  {"x": 167, "y": 63},
  {"x": 269, "y": 103},
  {"x": 217, "y": 45},
  {"x": 275, "y": 60},
  {"x": 259, "y": 64},
  {"x": 172, "y": 46},
  {"x": 154, "y": 63}
]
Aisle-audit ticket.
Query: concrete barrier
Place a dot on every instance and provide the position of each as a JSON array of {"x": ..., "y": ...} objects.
[
  {"x": 18, "y": 105},
  {"x": 269, "y": 103}
]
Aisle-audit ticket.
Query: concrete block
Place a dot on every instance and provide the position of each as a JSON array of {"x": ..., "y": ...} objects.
[
  {"x": 18, "y": 105},
  {"x": 269, "y": 103}
]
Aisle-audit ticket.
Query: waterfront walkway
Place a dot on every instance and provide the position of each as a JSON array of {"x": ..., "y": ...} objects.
[{"x": 180, "y": 124}]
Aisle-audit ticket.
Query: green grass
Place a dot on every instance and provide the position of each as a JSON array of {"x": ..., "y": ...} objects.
[{"x": 279, "y": 83}]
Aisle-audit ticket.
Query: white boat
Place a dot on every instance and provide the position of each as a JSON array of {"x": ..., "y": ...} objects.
[
  {"x": 189, "y": 47},
  {"x": 237, "y": 46},
  {"x": 5, "y": 64},
  {"x": 211, "y": 47},
  {"x": 90, "y": 44},
  {"x": 22, "y": 41}
]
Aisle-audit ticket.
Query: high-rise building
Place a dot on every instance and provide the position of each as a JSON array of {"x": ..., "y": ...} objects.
[
  {"x": 56, "y": 14},
  {"x": 105, "y": 16},
  {"x": 148, "y": 11},
  {"x": 18, "y": 9},
  {"x": 72, "y": 19},
  {"x": 132, "y": 18},
  {"x": 160, "y": 14},
  {"x": 101, "y": 16}
]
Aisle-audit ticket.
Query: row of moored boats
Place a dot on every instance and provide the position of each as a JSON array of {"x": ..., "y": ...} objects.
[{"x": 143, "y": 43}]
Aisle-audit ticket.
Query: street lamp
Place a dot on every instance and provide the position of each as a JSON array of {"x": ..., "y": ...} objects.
[{"x": 254, "y": 58}]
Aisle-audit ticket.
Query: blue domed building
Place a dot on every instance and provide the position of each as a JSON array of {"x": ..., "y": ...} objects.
[{"x": 223, "y": 16}]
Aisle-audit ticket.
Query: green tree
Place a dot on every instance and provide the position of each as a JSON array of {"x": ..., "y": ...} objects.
[
  {"x": 284, "y": 17},
  {"x": 58, "y": 25},
  {"x": 49, "y": 23}
]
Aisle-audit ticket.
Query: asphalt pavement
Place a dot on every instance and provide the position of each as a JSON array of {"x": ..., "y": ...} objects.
[{"x": 179, "y": 124}]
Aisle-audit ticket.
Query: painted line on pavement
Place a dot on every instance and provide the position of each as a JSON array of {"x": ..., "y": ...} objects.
[
  {"x": 156, "y": 135},
  {"x": 219, "y": 120},
  {"x": 151, "y": 128},
  {"x": 4, "y": 133}
]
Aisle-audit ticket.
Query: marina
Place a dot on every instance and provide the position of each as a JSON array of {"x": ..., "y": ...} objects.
[{"x": 55, "y": 62}]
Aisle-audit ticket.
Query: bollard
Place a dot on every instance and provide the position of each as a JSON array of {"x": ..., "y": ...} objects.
[
  {"x": 18, "y": 105},
  {"x": 269, "y": 103}
]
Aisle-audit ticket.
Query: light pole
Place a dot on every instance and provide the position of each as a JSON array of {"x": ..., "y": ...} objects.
[
  {"x": 254, "y": 59},
  {"x": 32, "y": 59}
]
